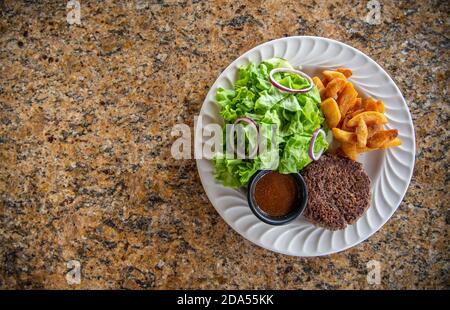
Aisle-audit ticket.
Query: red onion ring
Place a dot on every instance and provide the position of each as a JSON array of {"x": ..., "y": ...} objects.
[
  {"x": 287, "y": 89},
  {"x": 253, "y": 124},
  {"x": 248, "y": 121},
  {"x": 313, "y": 141}
]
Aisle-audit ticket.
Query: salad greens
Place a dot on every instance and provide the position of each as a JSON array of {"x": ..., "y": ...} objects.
[{"x": 295, "y": 116}]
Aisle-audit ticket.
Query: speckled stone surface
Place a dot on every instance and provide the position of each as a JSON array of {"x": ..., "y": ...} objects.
[{"x": 85, "y": 168}]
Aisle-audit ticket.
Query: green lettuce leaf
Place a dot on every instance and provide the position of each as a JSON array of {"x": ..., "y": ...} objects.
[{"x": 286, "y": 122}]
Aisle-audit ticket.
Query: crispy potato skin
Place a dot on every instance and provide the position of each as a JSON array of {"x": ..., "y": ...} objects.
[
  {"x": 381, "y": 138},
  {"x": 333, "y": 88},
  {"x": 331, "y": 111},
  {"x": 330, "y": 75},
  {"x": 344, "y": 136},
  {"x": 346, "y": 72},
  {"x": 395, "y": 142},
  {"x": 318, "y": 83},
  {"x": 349, "y": 150},
  {"x": 361, "y": 133},
  {"x": 347, "y": 98},
  {"x": 377, "y": 106},
  {"x": 368, "y": 117}
]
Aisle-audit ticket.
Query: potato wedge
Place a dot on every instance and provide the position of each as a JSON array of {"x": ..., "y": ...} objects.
[
  {"x": 372, "y": 105},
  {"x": 318, "y": 83},
  {"x": 331, "y": 111},
  {"x": 380, "y": 106},
  {"x": 347, "y": 98},
  {"x": 356, "y": 106},
  {"x": 349, "y": 150},
  {"x": 343, "y": 124},
  {"x": 361, "y": 133},
  {"x": 331, "y": 75},
  {"x": 369, "y": 117},
  {"x": 344, "y": 136},
  {"x": 356, "y": 112},
  {"x": 333, "y": 88},
  {"x": 382, "y": 138},
  {"x": 372, "y": 129},
  {"x": 369, "y": 101},
  {"x": 392, "y": 143},
  {"x": 364, "y": 149},
  {"x": 346, "y": 72}
]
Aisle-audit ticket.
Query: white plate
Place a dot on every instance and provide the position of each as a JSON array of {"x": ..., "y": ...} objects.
[{"x": 390, "y": 171}]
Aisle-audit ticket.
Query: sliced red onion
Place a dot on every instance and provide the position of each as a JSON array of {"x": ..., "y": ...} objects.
[
  {"x": 253, "y": 124},
  {"x": 313, "y": 141},
  {"x": 248, "y": 121},
  {"x": 287, "y": 89}
]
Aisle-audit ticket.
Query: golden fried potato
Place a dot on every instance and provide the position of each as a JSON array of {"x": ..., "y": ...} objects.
[
  {"x": 372, "y": 105},
  {"x": 333, "y": 88},
  {"x": 318, "y": 83},
  {"x": 369, "y": 101},
  {"x": 381, "y": 138},
  {"x": 357, "y": 124},
  {"x": 357, "y": 105},
  {"x": 373, "y": 128},
  {"x": 346, "y": 72},
  {"x": 392, "y": 143},
  {"x": 380, "y": 106},
  {"x": 361, "y": 133},
  {"x": 364, "y": 149},
  {"x": 331, "y": 75},
  {"x": 347, "y": 98},
  {"x": 369, "y": 117},
  {"x": 331, "y": 111},
  {"x": 355, "y": 112},
  {"x": 349, "y": 149},
  {"x": 343, "y": 123},
  {"x": 344, "y": 136}
]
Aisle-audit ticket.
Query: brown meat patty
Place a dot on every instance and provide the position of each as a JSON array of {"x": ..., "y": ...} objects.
[{"x": 338, "y": 192}]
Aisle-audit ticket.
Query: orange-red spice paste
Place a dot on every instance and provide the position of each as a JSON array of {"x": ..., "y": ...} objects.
[{"x": 276, "y": 194}]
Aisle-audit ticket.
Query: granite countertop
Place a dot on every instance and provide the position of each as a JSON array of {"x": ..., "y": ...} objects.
[{"x": 85, "y": 169}]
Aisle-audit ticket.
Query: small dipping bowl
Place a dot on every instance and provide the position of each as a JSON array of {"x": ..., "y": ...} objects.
[{"x": 300, "y": 205}]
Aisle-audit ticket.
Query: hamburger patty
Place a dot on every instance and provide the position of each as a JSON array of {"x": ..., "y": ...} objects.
[{"x": 338, "y": 192}]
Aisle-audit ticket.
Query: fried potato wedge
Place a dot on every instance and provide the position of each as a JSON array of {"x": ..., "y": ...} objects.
[
  {"x": 361, "y": 133},
  {"x": 356, "y": 124},
  {"x": 331, "y": 111},
  {"x": 372, "y": 129},
  {"x": 347, "y": 98},
  {"x": 356, "y": 106},
  {"x": 343, "y": 124},
  {"x": 349, "y": 149},
  {"x": 333, "y": 88},
  {"x": 372, "y": 105},
  {"x": 344, "y": 136},
  {"x": 381, "y": 138},
  {"x": 346, "y": 72},
  {"x": 392, "y": 143},
  {"x": 331, "y": 75},
  {"x": 318, "y": 83},
  {"x": 364, "y": 149},
  {"x": 368, "y": 117},
  {"x": 356, "y": 112},
  {"x": 380, "y": 106},
  {"x": 369, "y": 101}
]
